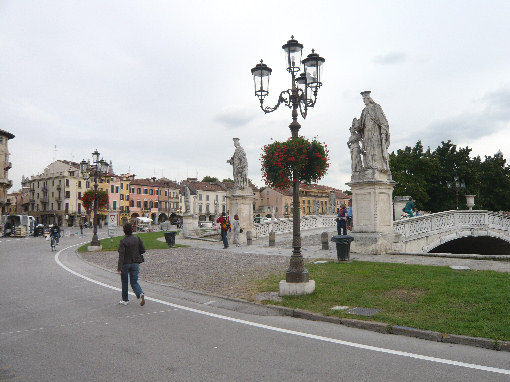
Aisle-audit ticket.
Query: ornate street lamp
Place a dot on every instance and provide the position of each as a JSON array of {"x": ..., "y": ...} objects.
[
  {"x": 98, "y": 170},
  {"x": 301, "y": 95},
  {"x": 458, "y": 184}
]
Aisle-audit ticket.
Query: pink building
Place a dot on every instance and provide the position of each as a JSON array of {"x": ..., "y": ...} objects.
[{"x": 143, "y": 198}]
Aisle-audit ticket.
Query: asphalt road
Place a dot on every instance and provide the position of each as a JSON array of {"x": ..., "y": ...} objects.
[{"x": 60, "y": 321}]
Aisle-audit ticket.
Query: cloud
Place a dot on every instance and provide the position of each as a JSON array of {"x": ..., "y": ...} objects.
[
  {"x": 489, "y": 115},
  {"x": 390, "y": 58},
  {"x": 234, "y": 118}
]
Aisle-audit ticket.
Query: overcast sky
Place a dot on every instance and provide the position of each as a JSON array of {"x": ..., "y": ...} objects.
[{"x": 160, "y": 88}]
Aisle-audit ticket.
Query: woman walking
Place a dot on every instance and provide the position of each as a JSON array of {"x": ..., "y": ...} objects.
[{"x": 237, "y": 230}]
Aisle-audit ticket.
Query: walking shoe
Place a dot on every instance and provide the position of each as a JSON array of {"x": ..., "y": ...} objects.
[
  {"x": 122, "y": 302},
  {"x": 142, "y": 296}
]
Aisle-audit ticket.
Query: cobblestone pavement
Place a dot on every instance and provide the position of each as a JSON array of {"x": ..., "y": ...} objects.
[{"x": 205, "y": 266}]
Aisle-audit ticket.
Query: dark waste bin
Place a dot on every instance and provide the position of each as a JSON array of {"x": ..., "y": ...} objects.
[
  {"x": 343, "y": 246},
  {"x": 170, "y": 238}
]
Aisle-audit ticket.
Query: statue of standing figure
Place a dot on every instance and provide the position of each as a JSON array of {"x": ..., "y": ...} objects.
[
  {"x": 187, "y": 207},
  {"x": 239, "y": 163},
  {"x": 375, "y": 135},
  {"x": 354, "y": 147}
]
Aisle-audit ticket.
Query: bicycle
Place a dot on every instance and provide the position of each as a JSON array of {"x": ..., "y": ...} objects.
[{"x": 53, "y": 243}]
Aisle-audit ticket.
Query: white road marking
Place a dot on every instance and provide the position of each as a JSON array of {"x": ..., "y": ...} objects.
[{"x": 292, "y": 332}]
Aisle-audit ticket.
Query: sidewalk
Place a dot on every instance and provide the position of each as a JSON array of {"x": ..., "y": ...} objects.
[{"x": 312, "y": 249}]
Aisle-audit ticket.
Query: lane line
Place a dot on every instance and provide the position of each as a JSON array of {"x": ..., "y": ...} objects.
[{"x": 292, "y": 332}]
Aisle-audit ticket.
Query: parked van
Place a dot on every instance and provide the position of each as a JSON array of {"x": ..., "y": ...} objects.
[{"x": 16, "y": 220}]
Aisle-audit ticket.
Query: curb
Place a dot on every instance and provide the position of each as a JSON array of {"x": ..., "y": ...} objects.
[{"x": 381, "y": 327}]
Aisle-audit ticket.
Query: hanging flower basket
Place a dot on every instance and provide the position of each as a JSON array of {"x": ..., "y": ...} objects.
[
  {"x": 280, "y": 159},
  {"x": 87, "y": 199}
]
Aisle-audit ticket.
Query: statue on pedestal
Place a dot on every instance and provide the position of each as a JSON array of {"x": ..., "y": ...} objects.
[
  {"x": 187, "y": 207},
  {"x": 375, "y": 135},
  {"x": 239, "y": 163}
]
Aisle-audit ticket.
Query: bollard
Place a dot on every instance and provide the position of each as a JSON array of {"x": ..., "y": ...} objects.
[
  {"x": 324, "y": 240},
  {"x": 248, "y": 238},
  {"x": 272, "y": 237}
]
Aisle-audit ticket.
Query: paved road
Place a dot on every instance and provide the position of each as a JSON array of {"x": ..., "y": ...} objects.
[{"x": 60, "y": 321}]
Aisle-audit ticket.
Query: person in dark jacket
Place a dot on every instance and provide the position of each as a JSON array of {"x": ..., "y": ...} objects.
[{"x": 131, "y": 249}]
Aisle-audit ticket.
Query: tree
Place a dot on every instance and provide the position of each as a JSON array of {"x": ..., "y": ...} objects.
[
  {"x": 209, "y": 179},
  {"x": 430, "y": 177},
  {"x": 227, "y": 180}
]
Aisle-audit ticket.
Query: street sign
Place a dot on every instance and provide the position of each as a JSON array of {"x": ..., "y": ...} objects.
[
  {"x": 112, "y": 219},
  {"x": 112, "y": 224}
]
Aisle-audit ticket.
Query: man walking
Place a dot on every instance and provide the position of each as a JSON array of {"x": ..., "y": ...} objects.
[
  {"x": 131, "y": 249},
  {"x": 225, "y": 228},
  {"x": 341, "y": 221}
]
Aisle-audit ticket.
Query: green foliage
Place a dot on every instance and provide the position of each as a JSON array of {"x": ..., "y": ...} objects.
[
  {"x": 429, "y": 177},
  {"x": 474, "y": 303},
  {"x": 227, "y": 180},
  {"x": 209, "y": 179}
]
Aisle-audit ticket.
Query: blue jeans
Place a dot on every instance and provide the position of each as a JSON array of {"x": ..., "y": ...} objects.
[
  {"x": 341, "y": 227},
  {"x": 224, "y": 238},
  {"x": 131, "y": 271}
]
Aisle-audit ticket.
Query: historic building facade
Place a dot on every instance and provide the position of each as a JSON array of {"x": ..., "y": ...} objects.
[{"x": 5, "y": 165}]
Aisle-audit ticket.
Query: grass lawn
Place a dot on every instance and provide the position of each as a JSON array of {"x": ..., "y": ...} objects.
[
  {"x": 474, "y": 303},
  {"x": 150, "y": 241}
]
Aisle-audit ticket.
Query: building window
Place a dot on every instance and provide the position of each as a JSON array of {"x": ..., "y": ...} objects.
[
  {"x": 112, "y": 189},
  {"x": 139, "y": 203},
  {"x": 67, "y": 182},
  {"x": 79, "y": 183},
  {"x": 132, "y": 203},
  {"x": 146, "y": 191},
  {"x": 145, "y": 204},
  {"x": 115, "y": 205},
  {"x": 67, "y": 207},
  {"x": 121, "y": 196},
  {"x": 132, "y": 190},
  {"x": 68, "y": 194},
  {"x": 207, "y": 198},
  {"x": 138, "y": 191},
  {"x": 79, "y": 208},
  {"x": 79, "y": 195},
  {"x": 151, "y": 191},
  {"x": 199, "y": 196}
]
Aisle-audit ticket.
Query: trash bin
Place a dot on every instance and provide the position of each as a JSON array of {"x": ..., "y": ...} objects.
[
  {"x": 170, "y": 238},
  {"x": 343, "y": 246}
]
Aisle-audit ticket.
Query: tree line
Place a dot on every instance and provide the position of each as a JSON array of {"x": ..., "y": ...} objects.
[{"x": 438, "y": 179}]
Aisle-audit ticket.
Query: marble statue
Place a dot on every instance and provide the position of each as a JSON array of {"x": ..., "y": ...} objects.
[
  {"x": 187, "y": 207},
  {"x": 375, "y": 135},
  {"x": 216, "y": 208},
  {"x": 354, "y": 147},
  {"x": 332, "y": 203},
  {"x": 316, "y": 209},
  {"x": 240, "y": 166}
]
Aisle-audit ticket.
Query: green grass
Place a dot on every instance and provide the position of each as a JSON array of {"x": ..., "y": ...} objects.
[
  {"x": 150, "y": 241},
  {"x": 474, "y": 303}
]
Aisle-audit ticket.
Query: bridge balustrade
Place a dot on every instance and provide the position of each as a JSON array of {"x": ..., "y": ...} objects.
[{"x": 284, "y": 225}]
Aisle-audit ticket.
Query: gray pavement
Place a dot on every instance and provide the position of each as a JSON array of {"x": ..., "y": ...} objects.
[{"x": 65, "y": 324}]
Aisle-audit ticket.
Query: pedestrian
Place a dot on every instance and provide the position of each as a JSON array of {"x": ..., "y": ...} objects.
[
  {"x": 409, "y": 208},
  {"x": 130, "y": 250},
  {"x": 81, "y": 229},
  {"x": 225, "y": 228},
  {"x": 341, "y": 221},
  {"x": 237, "y": 230},
  {"x": 349, "y": 216}
]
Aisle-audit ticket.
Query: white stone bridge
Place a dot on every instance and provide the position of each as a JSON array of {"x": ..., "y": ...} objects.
[{"x": 481, "y": 232}]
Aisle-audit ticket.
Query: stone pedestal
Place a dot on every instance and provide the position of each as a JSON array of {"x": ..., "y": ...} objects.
[
  {"x": 94, "y": 248},
  {"x": 187, "y": 225},
  {"x": 241, "y": 203},
  {"x": 296, "y": 289},
  {"x": 372, "y": 210}
]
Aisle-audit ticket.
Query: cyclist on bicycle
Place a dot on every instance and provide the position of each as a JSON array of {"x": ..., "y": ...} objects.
[{"x": 55, "y": 233}]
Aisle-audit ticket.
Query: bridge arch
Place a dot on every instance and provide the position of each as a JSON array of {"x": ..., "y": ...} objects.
[{"x": 486, "y": 243}]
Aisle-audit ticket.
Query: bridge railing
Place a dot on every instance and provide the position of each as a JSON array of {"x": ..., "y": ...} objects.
[
  {"x": 285, "y": 225},
  {"x": 420, "y": 226}
]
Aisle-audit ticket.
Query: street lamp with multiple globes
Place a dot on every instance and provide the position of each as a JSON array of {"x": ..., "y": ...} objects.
[
  {"x": 99, "y": 169},
  {"x": 301, "y": 95}
]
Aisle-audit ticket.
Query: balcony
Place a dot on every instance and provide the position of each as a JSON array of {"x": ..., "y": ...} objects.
[
  {"x": 59, "y": 187},
  {"x": 7, "y": 165},
  {"x": 6, "y": 182}
]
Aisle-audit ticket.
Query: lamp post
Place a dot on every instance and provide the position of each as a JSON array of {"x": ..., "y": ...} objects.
[
  {"x": 98, "y": 170},
  {"x": 458, "y": 184},
  {"x": 301, "y": 95}
]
